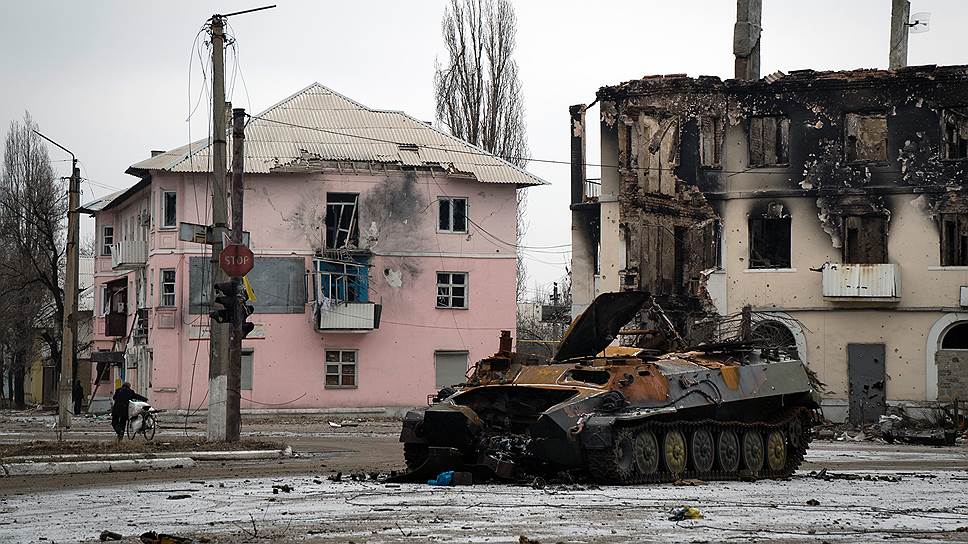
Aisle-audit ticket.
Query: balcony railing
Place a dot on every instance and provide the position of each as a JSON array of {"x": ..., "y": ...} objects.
[
  {"x": 129, "y": 255},
  {"x": 349, "y": 316},
  {"x": 861, "y": 281}
]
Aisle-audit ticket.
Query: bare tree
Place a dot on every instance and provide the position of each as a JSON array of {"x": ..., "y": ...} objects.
[
  {"x": 32, "y": 214},
  {"x": 477, "y": 89}
]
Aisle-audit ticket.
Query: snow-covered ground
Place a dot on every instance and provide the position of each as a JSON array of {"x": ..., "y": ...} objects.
[{"x": 922, "y": 507}]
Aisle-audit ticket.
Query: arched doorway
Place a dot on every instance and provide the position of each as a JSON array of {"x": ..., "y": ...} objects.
[{"x": 946, "y": 355}]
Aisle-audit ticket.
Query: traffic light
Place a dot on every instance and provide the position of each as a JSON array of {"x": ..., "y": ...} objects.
[
  {"x": 245, "y": 310},
  {"x": 226, "y": 294}
]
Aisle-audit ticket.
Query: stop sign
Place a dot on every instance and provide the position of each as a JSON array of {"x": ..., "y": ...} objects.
[{"x": 236, "y": 260}]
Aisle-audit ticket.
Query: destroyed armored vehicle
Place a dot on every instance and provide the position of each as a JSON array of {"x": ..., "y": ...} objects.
[{"x": 623, "y": 415}]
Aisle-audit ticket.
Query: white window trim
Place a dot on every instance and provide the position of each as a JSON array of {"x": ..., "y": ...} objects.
[
  {"x": 356, "y": 368},
  {"x": 164, "y": 209},
  {"x": 161, "y": 292},
  {"x": 105, "y": 245},
  {"x": 466, "y": 285},
  {"x": 466, "y": 214}
]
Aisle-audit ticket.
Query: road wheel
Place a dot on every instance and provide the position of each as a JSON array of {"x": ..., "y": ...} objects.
[
  {"x": 674, "y": 452},
  {"x": 753, "y": 451},
  {"x": 795, "y": 432},
  {"x": 702, "y": 449},
  {"x": 776, "y": 451},
  {"x": 623, "y": 455},
  {"x": 646, "y": 453},
  {"x": 727, "y": 451}
]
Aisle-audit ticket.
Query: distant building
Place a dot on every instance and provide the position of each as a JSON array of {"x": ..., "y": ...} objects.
[{"x": 384, "y": 265}]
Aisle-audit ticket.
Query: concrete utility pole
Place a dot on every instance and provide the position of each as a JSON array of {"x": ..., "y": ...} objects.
[
  {"x": 900, "y": 14},
  {"x": 746, "y": 39},
  {"x": 234, "y": 373},
  {"x": 218, "y": 333},
  {"x": 69, "y": 330}
]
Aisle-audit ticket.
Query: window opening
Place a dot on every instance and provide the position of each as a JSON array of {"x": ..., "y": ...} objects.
[
  {"x": 865, "y": 239},
  {"x": 452, "y": 215},
  {"x": 954, "y": 239},
  {"x": 168, "y": 287},
  {"x": 342, "y": 228},
  {"x": 107, "y": 240},
  {"x": 866, "y": 137},
  {"x": 769, "y": 141},
  {"x": 168, "y": 214},
  {"x": 343, "y": 281},
  {"x": 769, "y": 242},
  {"x": 712, "y": 138},
  {"x": 956, "y": 133},
  {"x": 451, "y": 290},
  {"x": 340, "y": 368}
]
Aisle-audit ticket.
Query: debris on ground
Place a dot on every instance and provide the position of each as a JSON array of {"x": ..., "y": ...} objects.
[
  {"x": 525, "y": 540},
  {"x": 285, "y": 488},
  {"x": 335, "y": 477},
  {"x": 684, "y": 512},
  {"x": 827, "y": 476},
  {"x": 152, "y": 537},
  {"x": 451, "y": 477},
  {"x": 179, "y": 496},
  {"x": 110, "y": 535},
  {"x": 813, "y": 502},
  {"x": 939, "y": 430}
]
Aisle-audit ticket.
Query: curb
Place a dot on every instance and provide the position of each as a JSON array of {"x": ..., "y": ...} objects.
[
  {"x": 241, "y": 455},
  {"x": 85, "y": 467}
]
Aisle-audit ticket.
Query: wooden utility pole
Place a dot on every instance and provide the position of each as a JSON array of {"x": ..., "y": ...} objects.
[
  {"x": 69, "y": 327},
  {"x": 218, "y": 333},
  {"x": 234, "y": 366},
  {"x": 900, "y": 14}
]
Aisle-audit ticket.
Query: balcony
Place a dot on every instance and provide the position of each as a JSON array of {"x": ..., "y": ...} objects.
[
  {"x": 861, "y": 282},
  {"x": 349, "y": 316},
  {"x": 129, "y": 255},
  {"x": 116, "y": 324}
]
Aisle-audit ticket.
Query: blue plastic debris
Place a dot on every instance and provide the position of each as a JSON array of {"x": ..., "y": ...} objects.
[{"x": 444, "y": 478}]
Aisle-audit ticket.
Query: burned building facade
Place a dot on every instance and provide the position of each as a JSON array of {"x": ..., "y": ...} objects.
[{"x": 831, "y": 203}]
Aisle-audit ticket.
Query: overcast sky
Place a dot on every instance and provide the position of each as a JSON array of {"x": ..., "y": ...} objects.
[{"x": 112, "y": 80}]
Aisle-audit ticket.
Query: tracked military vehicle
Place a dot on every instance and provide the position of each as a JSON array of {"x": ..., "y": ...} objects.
[{"x": 622, "y": 415}]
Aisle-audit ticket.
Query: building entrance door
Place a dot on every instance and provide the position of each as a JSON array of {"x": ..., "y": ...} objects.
[
  {"x": 866, "y": 382},
  {"x": 450, "y": 368}
]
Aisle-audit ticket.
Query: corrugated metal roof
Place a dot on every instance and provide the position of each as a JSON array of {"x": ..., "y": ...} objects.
[
  {"x": 318, "y": 123},
  {"x": 99, "y": 204}
]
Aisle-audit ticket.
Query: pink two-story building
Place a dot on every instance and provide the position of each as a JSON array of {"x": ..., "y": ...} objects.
[{"x": 385, "y": 261}]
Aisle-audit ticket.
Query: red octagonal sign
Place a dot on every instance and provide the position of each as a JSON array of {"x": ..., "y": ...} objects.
[{"x": 236, "y": 260}]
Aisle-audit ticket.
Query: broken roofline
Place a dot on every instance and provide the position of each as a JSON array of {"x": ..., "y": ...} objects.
[{"x": 796, "y": 80}]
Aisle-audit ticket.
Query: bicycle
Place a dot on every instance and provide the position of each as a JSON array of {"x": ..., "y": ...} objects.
[{"x": 141, "y": 420}]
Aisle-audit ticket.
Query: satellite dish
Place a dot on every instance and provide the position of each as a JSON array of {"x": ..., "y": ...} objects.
[{"x": 920, "y": 22}]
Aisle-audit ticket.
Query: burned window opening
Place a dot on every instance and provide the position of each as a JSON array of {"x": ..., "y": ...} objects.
[
  {"x": 769, "y": 141},
  {"x": 769, "y": 242},
  {"x": 956, "y": 337},
  {"x": 865, "y": 239},
  {"x": 954, "y": 239},
  {"x": 865, "y": 137},
  {"x": 711, "y": 140},
  {"x": 342, "y": 223},
  {"x": 452, "y": 214},
  {"x": 955, "y": 130}
]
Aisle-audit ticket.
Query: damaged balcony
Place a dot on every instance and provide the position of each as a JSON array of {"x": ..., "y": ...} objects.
[
  {"x": 342, "y": 293},
  {"x": 861, "y": 282},
  {"x": 129, "y": 255}
]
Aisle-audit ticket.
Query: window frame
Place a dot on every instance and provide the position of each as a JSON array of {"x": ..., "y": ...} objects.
[
  {"x": 332, "y": 231},
  {"x": 164, "y": 210},
  {"x": 946, "y": 143},
  {"x": 341, "y": 372},
  {"x": 846, "y": 137},
  {"x": 782, "y": 123},
  {"x": 104, "y": 244},
  {"x": 450, "y": 200},
  {"x": 958, "y": 253},
  {"x": 750, "y": 235},
  {"x": 162, "y": 291},
  {"x": 450, "y": 285}
]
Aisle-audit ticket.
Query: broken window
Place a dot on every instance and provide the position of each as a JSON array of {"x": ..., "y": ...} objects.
[
  {"x": 954, "y": 239},
  {"x": 107, "y": 239},
  {"x": 451, "y": 289},
  {"x": 340, "y": 368},
  {"x": 452, "y": 214},
  {"x": 866, "y": 137},
  {"x": 168, "y": 215},
  {"x": 955, "y": 129},
  {"x": 711, "y": 141},
  {"x": 342, "y": 223},
  {"x": 343, "y": 281},
  {"x": 865, "y": 239},
  {"x": 769, "y": 242},
  {"x": 769, "y": 141}
]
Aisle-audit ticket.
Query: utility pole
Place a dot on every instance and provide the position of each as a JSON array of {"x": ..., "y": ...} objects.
[
  {"x": 69, "y": 329},
  {"x": 746, "y": 39},
  {"x": 220, "y": 429},
  {"x": 217, "y": 332},
  {"x": 900, "y": 13},
  {"x": 234, "y": 368}
]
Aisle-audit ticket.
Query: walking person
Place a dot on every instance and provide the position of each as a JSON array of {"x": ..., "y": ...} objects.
[
  {"x": 77, "y": 395},
  {"x": 119, "y": 410}
]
